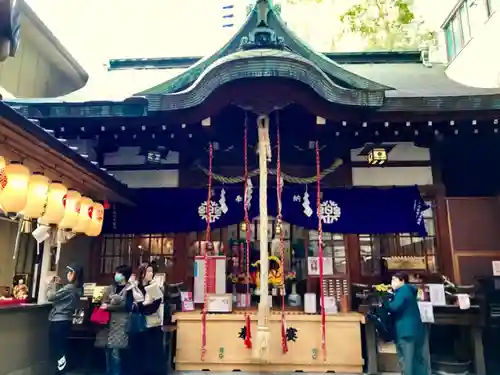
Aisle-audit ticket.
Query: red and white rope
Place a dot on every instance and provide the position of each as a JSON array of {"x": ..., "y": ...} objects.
[
  {"x": 205, "y": 257},
  {"x": 248, "y": 338},
  {"x": 320, "y": 247}
]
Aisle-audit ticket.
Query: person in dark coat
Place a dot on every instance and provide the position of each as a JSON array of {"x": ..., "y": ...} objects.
[
  {"x": 113, "y": 337},
  {"x": 146, "y": 348},
  {"x": 64, "y": 299},
  {"x": 409, "y": 330}
]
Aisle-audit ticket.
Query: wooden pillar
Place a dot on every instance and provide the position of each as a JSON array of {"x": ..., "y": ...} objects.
[
  {"x": 353, "y": 258},
  {"x": 180, "y": 258},
  {"x": 443, "y": 239}
]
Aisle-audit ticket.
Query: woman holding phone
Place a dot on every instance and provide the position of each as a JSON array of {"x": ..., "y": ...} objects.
[
  {"x": 64, "y": 300},
  {"x": 148, "y": 344}
]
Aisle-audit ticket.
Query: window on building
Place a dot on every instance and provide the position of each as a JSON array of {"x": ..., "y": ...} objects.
[
  {"x": 375, "y": 248},
  {"x": 334, "y": 247},
  {"x": 450, "y": 44},
  {"x": 130, "y": 249},
  {"x": 114, "y": 252},
  {"x": 464, "y": 23},
  {"x": 458, "y": 37}
]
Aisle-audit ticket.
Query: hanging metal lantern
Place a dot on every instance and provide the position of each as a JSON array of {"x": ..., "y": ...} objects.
[
  {"x": 243, "y": 226},
  {"x": 54, "y": 210},
  {"x": 377, "y": 156},
  {"x": 38, "y": 189},
  {"x": 71, "y": 203},
  {"x": 84, "y": 216},
  {"x": 96, "y": 221},
  {"x": 14, "y": 181}
]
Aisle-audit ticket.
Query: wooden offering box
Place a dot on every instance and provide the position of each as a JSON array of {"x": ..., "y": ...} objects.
[{"x": 226, "y": 350}]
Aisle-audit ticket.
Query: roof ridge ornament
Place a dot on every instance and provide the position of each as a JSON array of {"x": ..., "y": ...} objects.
[
  {"x": 263, "y": 7},
  {"x": 262, "y": 36}
]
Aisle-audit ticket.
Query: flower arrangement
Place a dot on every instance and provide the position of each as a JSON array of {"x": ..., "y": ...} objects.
[{"x": 382, "y": 290}]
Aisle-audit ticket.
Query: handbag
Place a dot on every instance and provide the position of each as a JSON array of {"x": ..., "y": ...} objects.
[
  {"x": 99, "y": 316},
  {"x": 136, "y": 322},
  {"x": 155, "y": 319}
]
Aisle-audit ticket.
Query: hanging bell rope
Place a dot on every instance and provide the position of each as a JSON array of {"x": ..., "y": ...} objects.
[
  {"x": 286, "y": 177},
  {"x": 279, "y": 190},
  {"x": 248, "y": 332},
  {"x": 205, "y": 259},
  {"x": 320, "y": 246},
  {"x": 262, "y": 347}
]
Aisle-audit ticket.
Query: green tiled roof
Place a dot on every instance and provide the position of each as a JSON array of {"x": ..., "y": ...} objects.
[{"x": 291, "y": 41}]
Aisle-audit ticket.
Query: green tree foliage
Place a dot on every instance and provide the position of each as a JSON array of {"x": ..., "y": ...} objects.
[{"x": 386, "y": 24}]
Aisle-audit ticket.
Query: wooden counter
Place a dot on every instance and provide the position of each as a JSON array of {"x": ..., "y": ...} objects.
[
  {"x": 226, "y": 350},
  {"x": 23, "y": 339}
]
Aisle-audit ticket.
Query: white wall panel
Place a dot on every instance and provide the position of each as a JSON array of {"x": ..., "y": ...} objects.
[
  {"x": 388, "y": 176},
  {"x": 148, "y": 179}
]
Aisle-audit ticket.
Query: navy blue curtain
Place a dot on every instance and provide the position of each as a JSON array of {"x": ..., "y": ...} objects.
[{"x": 343, "y": 210}]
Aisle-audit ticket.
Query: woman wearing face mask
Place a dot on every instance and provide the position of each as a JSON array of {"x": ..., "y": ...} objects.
[
  {"x": 114, "y": 338},
  {"x": 408, "y": 325},
  {"x": 64, "y": 302},
  {"x": 147, "y": 345}
]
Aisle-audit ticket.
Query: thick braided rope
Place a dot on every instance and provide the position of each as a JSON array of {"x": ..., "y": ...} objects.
[{"x": 286, "y": 177}]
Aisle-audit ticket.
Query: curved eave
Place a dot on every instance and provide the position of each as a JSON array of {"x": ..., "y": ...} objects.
[
  {"x": 101, "y": 180},
  {"x": 261, "y": 64},
  {"x": 52, "y": 47}
]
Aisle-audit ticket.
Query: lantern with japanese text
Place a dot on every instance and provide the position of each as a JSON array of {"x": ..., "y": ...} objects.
[
  {"x": 84, "y": 216},
  {"x": 14, "y": 181},
  {"x": 71, "y": 203},
  {"x": 38, "y": 189},
  {"x": 97, "y": 214},
  {"x": 54, "y": 210}
]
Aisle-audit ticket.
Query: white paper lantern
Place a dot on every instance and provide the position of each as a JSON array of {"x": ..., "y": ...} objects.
[
  {"x": 38, "y": 189},
  {"x": 14, "y": 181},
  {"x": 54, "y": 210},
  {"x": 71, "y": 203},
  {"x": 95, "y": 227},
  {"x": 84, "y": 216}
]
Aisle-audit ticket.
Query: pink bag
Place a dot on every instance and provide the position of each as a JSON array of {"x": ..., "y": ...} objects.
[{"x": 100, "y": 316}]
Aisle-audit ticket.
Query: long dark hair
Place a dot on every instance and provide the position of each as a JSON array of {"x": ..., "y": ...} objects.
[{"x": 141, "y": 272}]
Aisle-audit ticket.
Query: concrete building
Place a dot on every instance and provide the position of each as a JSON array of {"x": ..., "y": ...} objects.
[
  {"x": 40, "y": 66},
  {"x": 471, "y": 31}
]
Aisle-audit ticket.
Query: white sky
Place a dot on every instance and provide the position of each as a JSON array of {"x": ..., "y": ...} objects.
[{"x": 96, "y": 30}]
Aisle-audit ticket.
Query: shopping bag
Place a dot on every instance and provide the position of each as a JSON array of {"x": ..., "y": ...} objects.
[{"x": 99, "y": 316}]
